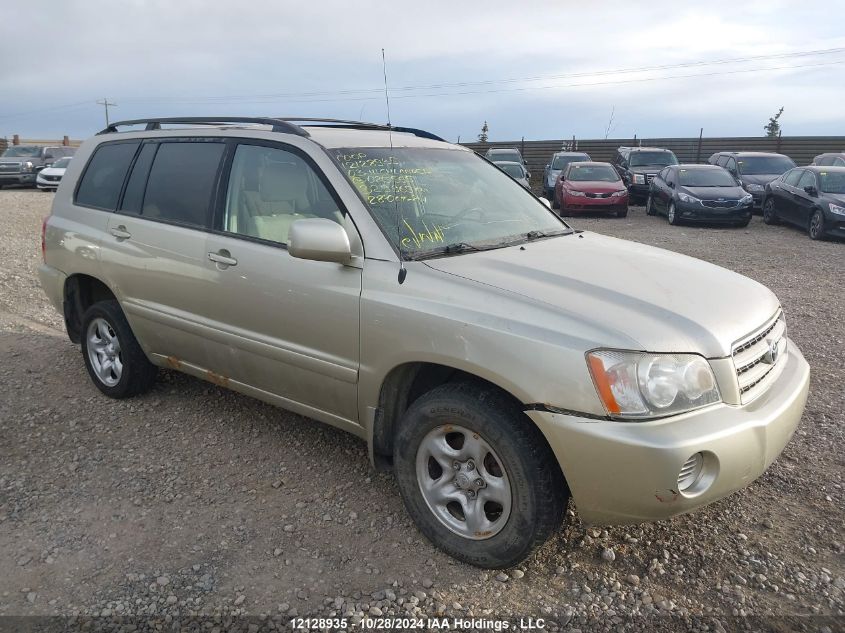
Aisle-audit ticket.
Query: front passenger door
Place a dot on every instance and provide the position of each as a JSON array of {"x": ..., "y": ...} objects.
[
  {"x": 284, "y": 326},
  {"x": 804, "y": 203}
]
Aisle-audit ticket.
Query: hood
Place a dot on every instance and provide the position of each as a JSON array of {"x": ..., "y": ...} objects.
[
  {"x": 595, "y": 186},
  {"x": 53, "y": 171},
  {"x": 636, "y": 296},
  {"x": 714, "y": 193},
  {"x": 836, "y": 198},
  {"x": 759, "y": 179}
]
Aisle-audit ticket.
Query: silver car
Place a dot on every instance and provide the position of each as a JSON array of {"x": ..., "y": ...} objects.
[{"x": 403, "y": 289}]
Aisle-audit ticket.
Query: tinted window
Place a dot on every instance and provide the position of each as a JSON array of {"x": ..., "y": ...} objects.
[
  {"x": 104, "y": 175},
  {"x": 839, "y": 162},
  {"x": 731, "y": 165},
  {"x": 713, "y": 177},
  {"x": 722, "y": 161},
  {"x": 271, "y": 188},
  {"x": 181, "y": 182},
  {"x": 562, "y": 161},
  {"x": 756, "y": 165},
  {"x": 514, "y": 170},
  {"x": 832, "y": 181},
  {"x": 808, "y": 179},
  {"x": 793, "y": 177},
  {"x": 133, "y": 197},
  {"x": 653, "y": 159}
]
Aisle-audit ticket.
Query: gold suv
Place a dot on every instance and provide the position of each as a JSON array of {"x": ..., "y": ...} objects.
[{"x": 404, "y": 289}]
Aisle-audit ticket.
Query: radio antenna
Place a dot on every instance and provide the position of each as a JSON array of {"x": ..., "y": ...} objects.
[{"x": 403, "y": 272}]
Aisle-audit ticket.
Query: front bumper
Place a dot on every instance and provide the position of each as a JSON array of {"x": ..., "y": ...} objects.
[
  {"x": 694, "y": 212},
  {"x": 639, "y": 190},
  {"x": 43, "y": 183},
  {"x": 627, "y": 472},
  {"x": 578, "y": 204},
  {"x": 17, "y": 178},
  {"x": 53, "y": 283}
]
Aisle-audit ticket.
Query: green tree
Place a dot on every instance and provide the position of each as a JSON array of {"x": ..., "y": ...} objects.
[
  {"x": 482, "y": 138},
  {"x": 773, "y": 126}
]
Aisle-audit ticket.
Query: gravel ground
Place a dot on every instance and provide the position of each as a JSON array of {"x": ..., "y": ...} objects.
[{"x": 194, "y": 500}]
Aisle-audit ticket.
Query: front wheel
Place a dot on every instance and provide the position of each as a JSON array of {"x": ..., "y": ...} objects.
[
  {"x": 477, "y": 476},
  {"x": 114, "y": 359},
  {"x": 672, "y": 216},
  {"x": 649, "y": 206},
  {"x": 770, "y": 216},
  {"x": 555, "y": 200},
  {"x": 815, "y": 229}
]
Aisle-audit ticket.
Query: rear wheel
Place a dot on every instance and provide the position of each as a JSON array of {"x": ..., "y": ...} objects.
[
  {"x": 114, "y": 359},
  {"x": 672, "y": 216},
  {"x": 477, "y": 476},
  {"x": 770, "y": 216},
  {"x": 815, "y": 229}
]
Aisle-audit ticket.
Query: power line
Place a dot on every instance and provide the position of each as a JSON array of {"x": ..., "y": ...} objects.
[{"x": 106, "y": 103}]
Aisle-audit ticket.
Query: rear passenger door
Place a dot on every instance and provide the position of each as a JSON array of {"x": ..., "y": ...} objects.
[
  {"x": 283, "y": 326},
  {"x": 154, "y": 250}
]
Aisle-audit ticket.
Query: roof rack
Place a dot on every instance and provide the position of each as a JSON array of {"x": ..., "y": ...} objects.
[
  {"x": 279, "y": 125},
  {"x": 361, "y": 125}
]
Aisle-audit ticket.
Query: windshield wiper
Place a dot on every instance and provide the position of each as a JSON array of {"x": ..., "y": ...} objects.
[
  {"x": 452, "y": 249},
  {"x": 536, "y": 235}
]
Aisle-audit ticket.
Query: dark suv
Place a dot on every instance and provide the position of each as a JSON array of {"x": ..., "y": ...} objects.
[
  {"x": 753, "y": 170},
  {"x": 639, "y": 165},
  {"x": 20, "y": 164}
]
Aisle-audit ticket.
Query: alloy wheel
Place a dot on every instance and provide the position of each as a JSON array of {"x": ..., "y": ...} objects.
[{"x": 104, "y": 352}]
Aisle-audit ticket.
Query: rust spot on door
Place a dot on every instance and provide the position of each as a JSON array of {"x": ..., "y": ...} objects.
[
  {"x": 217, "y": 379},
  {"x": 173, "y": 362}
]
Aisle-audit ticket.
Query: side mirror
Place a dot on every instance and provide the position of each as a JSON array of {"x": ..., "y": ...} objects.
[
  {"x": 320, "y": 240},
  {"x": 811, "y": 190},
  {"x": 545, "y": 201}
]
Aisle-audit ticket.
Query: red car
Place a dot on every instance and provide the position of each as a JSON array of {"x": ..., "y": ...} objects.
[{"x": 591, "y": 188}]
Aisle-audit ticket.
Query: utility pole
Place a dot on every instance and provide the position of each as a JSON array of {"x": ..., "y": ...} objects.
[{"x": 106, "y": 103}]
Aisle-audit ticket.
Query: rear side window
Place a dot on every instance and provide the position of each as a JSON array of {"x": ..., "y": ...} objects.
[
  {"x": 181, "y": 182},
  {"x": 103, "y": 178},
  {"x": 133, "y": 197},
  {"x": 793, "y": 177},
  {"x": 808, "y": 179}
]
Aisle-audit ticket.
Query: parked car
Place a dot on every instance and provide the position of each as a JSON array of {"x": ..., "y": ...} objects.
[
  {"x": 505, "y": 154},
  {"x": 48, "y": 179},
  {"x": 830, "y": 159},
  {"x": 558, "y": 163},
  {"x": 754, "y": 170},
  {"x": 488, "y": 354},
  {"x": 812, "y": 198},
  {"x": 699, "y": 193},
  {"x": 515, "y": 171},
  {"x": 638, "y": 165},
  {"x": 20, "y": 164},
  {"x": 591, "y": 188}
]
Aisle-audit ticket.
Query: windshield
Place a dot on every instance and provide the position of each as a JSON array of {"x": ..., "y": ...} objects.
[
  {"x": 62, "y": 163},
  {"x": 425, "y": 199},
  {"x": 506, "y": 155},
  {"x": 22, "y": 151},
  {"x": 756, "y": 165},
  {"x": 511, "y": 169},
  {"x": 716, "y": 177},
  {"x": 832, "y": 181},
  {"x": 652, "y": 159},
  {"x": 562, "y": 161},
  {"x": 603, "y": 173}
]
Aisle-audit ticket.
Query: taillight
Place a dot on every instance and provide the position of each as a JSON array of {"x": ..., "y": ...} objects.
[{"x": 44, "y": 239}]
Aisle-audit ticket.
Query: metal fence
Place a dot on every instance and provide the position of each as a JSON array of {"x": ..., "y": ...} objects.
[{"x": 801, "y": 149}]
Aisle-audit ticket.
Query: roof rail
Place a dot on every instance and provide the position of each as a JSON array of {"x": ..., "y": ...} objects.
[
  {"x": 361, "y": 125},
  {"x": 279, "y": 125}
]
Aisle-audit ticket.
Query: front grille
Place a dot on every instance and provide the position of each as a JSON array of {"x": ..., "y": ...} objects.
[
  {"x": 598, "y": 195},
  {"x": 649, "y": 178},
  {"x": 759, "y": 358},
  {"x": 9, "y": 168},
  {"x": 52, "y": 178},
  {"x": 720, "y": 204}
]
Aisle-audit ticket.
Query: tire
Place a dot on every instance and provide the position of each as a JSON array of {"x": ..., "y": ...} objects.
[
  {"x": 649, "y": 206},
  {"x": 815, "y": 227},
  {"x": 555, "y": 200},
  {"x": 671, "y": 215},
  {"x": 461, "y": 422},
  {"x": 115, "y": 361},
  {"x": 770, "y": 216},
  {"x": 744, "y": 223},
  {"x": 622, "y": 214}
]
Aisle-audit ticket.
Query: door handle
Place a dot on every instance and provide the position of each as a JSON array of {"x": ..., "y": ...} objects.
[
  {"x": 120, "y": 232},
  {"x": 223, "y": 257}
]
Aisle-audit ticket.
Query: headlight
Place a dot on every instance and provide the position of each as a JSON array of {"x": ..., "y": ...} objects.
[
  {"x": 639, "y": 179},
  {"x": 572, "y": 192},
  {"x": 683, "y": 197},
  {"x": 750, "y": 186},
  {"x": 639, "y": 385},
  {"x": 837, "y": 209},
  {"x": 746, "y": 199},
  {"x": 620, "y": 192},
  {"x": 27, "y": 166}
]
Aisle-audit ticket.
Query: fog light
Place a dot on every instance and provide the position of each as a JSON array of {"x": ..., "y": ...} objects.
[{"x": 690, "y": 472}]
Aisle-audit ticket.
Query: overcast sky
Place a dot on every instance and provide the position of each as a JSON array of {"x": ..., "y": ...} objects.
[{"x": 539, "y": 70}]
